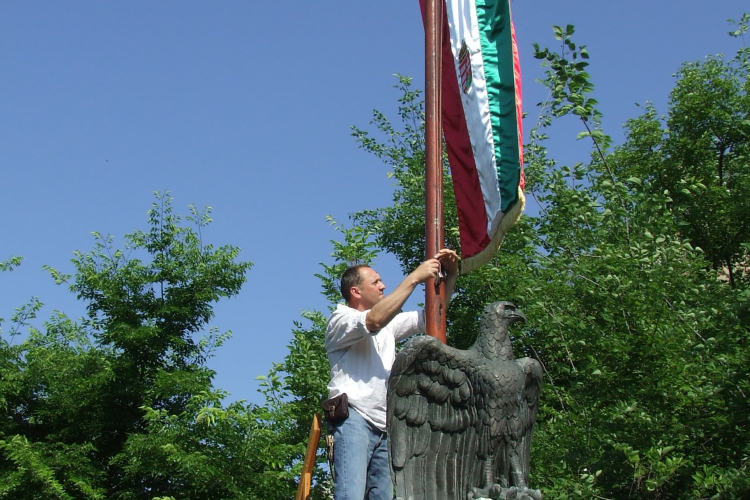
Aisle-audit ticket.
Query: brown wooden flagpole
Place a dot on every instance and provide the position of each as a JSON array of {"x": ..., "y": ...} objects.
[{"x": 434, "y": 295}]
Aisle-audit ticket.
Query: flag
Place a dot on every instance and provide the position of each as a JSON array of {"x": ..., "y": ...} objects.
[{"x": 481, "y": 109}]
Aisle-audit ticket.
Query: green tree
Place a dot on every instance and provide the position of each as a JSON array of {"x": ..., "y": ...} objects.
[
  {"x": 700, "y": 153},
  {"x": 644, "y": 347},
  {"x": 75, "y": 394},
  {"x": 120, "y": 405}
]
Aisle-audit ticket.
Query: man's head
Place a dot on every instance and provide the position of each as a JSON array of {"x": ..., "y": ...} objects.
[{"x": 361, "y": 287}]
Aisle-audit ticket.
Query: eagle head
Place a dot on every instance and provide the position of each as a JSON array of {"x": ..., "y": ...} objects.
[{"x": 505, "y": 310}]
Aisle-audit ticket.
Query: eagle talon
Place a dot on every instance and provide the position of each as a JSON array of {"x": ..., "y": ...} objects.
[
  {"x": 523, "y": 493},
  {"x": 497, "y": 492},
  {"x": 494, "y": 492}
]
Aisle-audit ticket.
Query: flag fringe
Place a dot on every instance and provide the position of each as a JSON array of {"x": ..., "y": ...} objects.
[{"x": 476, "y": 261}]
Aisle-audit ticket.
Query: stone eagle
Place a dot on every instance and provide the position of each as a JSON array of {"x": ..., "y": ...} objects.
[{"x": 460, "y": 422}]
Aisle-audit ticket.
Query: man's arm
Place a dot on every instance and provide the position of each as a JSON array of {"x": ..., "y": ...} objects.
[{"x": 384, "y": 311}]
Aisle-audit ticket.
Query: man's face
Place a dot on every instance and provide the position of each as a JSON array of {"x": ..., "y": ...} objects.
[{"x": 370, "y": 288}]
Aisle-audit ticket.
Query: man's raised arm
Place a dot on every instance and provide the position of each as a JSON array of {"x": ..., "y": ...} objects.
[{"x": 385, "y": 310}]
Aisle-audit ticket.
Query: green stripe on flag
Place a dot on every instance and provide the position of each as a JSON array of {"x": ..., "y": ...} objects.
[{"x": 493, "y": 17}]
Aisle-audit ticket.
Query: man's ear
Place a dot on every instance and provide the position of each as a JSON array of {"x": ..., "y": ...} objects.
[{"x": 354, "y": 291}]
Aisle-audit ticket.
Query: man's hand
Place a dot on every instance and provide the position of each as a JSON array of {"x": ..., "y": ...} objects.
[
  {"x": 449, "y": 259},
  {"x": 426, "y": 270},
  {"x": 431, "y": 267}
]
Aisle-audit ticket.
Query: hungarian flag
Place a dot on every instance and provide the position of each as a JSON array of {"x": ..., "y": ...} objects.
[{"x": 481, "y": 108}]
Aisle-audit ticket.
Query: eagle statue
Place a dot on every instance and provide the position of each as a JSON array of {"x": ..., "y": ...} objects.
[{"x": 460, "y": 421}]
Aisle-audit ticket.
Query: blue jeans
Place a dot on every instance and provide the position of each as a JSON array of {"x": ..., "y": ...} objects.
[{"x": 361, "y": 470}]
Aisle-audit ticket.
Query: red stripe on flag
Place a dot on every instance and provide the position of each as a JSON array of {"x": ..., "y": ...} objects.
[{"x": 519, "y": 99}]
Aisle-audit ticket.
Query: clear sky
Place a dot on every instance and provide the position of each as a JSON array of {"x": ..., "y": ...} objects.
[{"x": 246, "y": 106}]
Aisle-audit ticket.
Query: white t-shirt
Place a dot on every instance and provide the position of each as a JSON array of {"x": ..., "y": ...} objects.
[{"x": 361, "y": 361}]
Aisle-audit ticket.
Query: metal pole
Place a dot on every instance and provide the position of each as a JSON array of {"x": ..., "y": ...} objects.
[{"x": 434, "y": 295}]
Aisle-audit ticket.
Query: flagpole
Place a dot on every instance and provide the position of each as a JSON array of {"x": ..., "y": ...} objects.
[{"x": 434, "y": 295}]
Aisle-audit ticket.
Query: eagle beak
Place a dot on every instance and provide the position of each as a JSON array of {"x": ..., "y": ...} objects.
[
  {"x": 517, "y": 316},
  {"x": 508, "y": 311}
]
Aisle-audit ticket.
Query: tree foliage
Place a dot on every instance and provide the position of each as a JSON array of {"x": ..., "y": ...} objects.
[
  {"x": 120, "y": 404},
  {"x": 644, "y": 344},
  {"x": 699, "y": 153},
  {"x": 80, "y": 397}
]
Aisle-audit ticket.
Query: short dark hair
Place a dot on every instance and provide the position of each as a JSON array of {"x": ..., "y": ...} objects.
[{"x": 350, "y": 278}]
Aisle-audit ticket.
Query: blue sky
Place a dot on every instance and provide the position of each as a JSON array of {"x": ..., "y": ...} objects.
[{"x": 246, "y": 106}]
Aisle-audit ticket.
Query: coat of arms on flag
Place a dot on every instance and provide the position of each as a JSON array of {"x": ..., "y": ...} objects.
[
  {"x": 481, "y": 108},
  {"x": 464, "y": 65}
]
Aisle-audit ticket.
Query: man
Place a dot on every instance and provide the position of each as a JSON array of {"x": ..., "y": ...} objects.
[{"x": 361, "y": 341}]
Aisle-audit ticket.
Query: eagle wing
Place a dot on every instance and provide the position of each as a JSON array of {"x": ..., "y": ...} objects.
[
  {"x": 432, "y": 421},
  {"x": 528, "y": 410}
]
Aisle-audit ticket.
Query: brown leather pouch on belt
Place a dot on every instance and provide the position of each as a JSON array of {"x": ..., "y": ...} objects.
[{"x": 336, "y": 409}]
